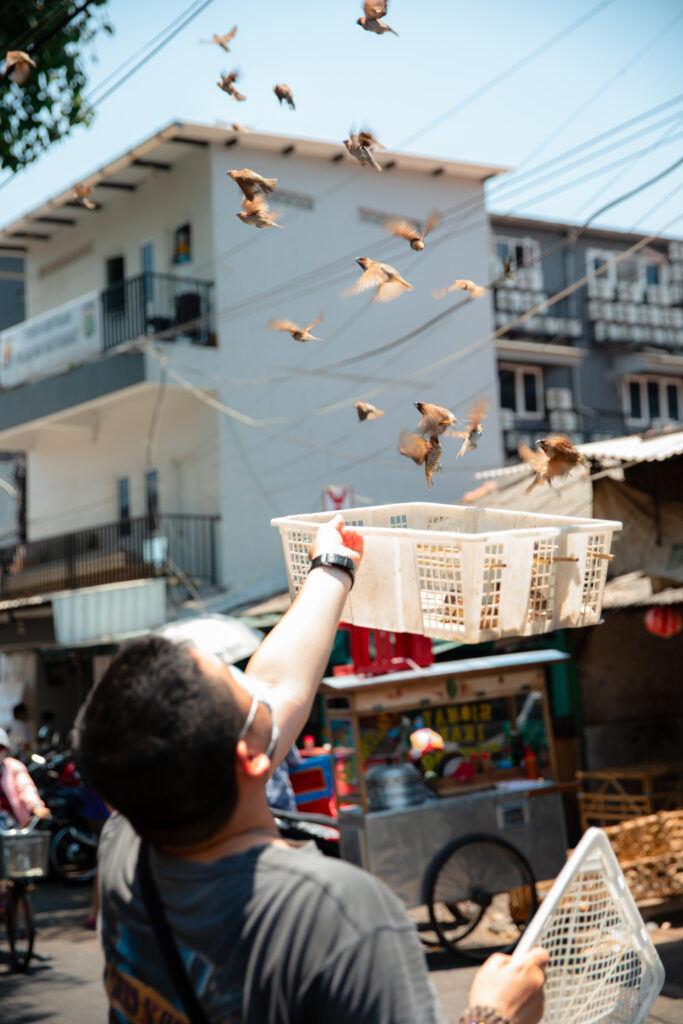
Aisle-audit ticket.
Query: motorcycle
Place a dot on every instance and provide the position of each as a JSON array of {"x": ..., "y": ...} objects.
[{"x": 73, "y": 847}]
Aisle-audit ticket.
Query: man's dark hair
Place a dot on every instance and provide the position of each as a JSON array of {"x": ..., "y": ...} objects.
[
  {"x": 156, "y": 739},
  {"x": 20, "y": 711}
]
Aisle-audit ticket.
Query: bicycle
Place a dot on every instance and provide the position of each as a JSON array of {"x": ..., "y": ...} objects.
[{"x": 23, "y": 858}]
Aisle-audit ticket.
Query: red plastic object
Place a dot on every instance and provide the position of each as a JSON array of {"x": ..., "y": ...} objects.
[
  {"x": 663, "y": 622},
  {"x": 393, "y": 652}
]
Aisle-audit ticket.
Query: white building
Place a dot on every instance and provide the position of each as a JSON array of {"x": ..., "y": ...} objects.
[{"x": 150, "y": 435}]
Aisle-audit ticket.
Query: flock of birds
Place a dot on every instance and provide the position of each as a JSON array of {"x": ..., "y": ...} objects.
[{"x": 553, "y": 456}]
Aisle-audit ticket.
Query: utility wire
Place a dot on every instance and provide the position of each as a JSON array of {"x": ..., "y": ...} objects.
[
  {"x": 603, "y": 88},
  {"x": 516, "y": 66}
]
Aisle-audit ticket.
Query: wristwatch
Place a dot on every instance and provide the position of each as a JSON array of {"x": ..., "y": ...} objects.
[{"x": 335, "y": 561}]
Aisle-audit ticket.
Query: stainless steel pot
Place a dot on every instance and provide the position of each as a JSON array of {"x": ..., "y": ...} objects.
[{"x": 394, "y": 786}]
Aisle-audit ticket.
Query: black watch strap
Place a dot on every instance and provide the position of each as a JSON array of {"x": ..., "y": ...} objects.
[{"x": 335, "y": 561}]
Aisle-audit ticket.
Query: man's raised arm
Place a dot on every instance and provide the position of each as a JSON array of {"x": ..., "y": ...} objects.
[{"x": 293, "y": 657}]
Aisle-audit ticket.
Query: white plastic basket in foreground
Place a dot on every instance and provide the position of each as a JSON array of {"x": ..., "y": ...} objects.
[
  {"x": 603, "y": 965},
  {"x": 468, "y": 574}
]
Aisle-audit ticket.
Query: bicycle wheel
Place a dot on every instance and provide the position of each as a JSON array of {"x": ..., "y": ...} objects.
[
  {"x": 481, "y": 894},
  {"x": 20, "y": 928}
]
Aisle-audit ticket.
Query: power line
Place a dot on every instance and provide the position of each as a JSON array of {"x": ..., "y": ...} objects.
[
  {"x": 516, "y": 66},
  {"x": 604, "y": 87}
]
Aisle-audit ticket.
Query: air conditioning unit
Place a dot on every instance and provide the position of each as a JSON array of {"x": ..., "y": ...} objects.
[
  {"x": 558, "y": 398},
  {"x": 676, "y": 250},
  {"x": 506, "y": 418}
]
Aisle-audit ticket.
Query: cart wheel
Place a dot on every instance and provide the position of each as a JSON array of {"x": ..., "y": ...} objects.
[
  {"x": 20, "y": 927},
  {"x": 480, "y": 889}
]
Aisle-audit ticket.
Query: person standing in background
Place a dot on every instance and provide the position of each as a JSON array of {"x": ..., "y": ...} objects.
[{"x": 21, "y": 739}]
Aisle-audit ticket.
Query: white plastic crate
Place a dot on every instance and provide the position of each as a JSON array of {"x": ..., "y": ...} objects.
[
  {"x": 603, "y": 965},
  {"x": 460, "y": 573}
]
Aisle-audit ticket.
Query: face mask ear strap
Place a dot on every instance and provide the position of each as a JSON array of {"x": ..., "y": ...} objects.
[{"x": 249, "y": 721}]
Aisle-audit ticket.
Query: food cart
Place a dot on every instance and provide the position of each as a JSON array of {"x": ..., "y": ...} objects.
[{"x": 469, "y": 851}]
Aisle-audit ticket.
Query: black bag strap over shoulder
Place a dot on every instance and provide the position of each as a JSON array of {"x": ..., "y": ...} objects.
[{"x": 167, "y": 944}]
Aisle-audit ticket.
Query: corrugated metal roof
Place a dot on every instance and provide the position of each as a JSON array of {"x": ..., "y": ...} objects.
[
  {"x": 633, "y": 448},
  {"x": 468, "y": 666}
]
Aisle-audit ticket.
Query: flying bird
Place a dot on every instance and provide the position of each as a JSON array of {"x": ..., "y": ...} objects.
[
  {"x": 436, "y": 419},
  {"x": 554, "y": 457},
  {"x": 18, "y": 66},
  {"x": 227, "y": 84},
  {"x": 373, "y": 10},
  {"x": 507, "y": 270},
  {"x": 238, "y": 127},
  {"x": 423, "y": 451},
  {"x": 407, "y": 229},
  {"x": 256, "y": 212},
  {"x": 384, "y": 278},
  {"x": 283, "y": 92},
  {"x": 477, "y": 291},
  {"x": 223, "y": 41},
  {"x": 80, "y": 195},
  {"x": 475, "y": 426},
  {"x": 298, "y": 333},
  {"x": 252, "y": 183},
  {"x": 368, "y": 412},
  {"x": 360, "y": 145}
]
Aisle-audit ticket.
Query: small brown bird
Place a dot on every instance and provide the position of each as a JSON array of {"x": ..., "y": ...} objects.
[
  {"x": 554, "y": 457},
  {"x": 361, "y": 145},
  {"x": 283, "y": 92},
  {"x": 223, "y": 41},
  {"x": 406, "y": 229},
  {"x": 475, "y": 426},
  {"x": 368, "y": 412},
  {"x": 373, "y": 10},
  {"x": 436, "y": 419},
  {"x": 18, "y": 66},
  {"x": 251, "y": 183},
  {"x": 383, "y": 277},
  {"x": 298, "y": 333},
  {"x": 227, "y": 84},
  {"x": 80, "y": 195},
  {"x": 256, "y": 212},
  {"x": 238, "y": 127},
  {"x": 507, "y": 270},
  {"x": 477, "y": 291},
  {"x": 423, "y": 451}
]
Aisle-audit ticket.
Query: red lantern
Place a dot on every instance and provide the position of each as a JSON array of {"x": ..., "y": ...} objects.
[{"x": 663, "y": 621}]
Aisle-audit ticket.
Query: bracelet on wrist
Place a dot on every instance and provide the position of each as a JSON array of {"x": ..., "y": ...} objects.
[
  {"x": 334, "y": 561},
  {"x": 482, "y": 1015}
]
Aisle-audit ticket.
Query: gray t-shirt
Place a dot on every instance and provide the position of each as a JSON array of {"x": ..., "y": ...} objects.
[{"x": 268, "y": 936}]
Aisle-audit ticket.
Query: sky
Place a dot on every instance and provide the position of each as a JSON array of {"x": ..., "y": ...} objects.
[{"x": 618, "y": 64}]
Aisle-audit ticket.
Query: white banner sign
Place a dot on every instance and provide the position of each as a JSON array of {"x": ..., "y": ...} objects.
[{"x": 50, "y": 343}]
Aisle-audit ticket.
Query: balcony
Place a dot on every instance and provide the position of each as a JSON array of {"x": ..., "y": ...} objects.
[
  {"x": 161, "y": 305},
  {"x": 130, "y": 549},
  {"x": 157, "y": 304}
]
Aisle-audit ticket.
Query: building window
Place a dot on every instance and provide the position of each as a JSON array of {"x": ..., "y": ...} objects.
[
  {"x": 652, "y": 398},
  {"x": 520, "y": 252},
  {"x": 152, "y": 492},
  {"x": 123, "y": 488},
  {"x": 651, "y": 273},
  {"x": 672, "y": 405},
  {"x": 521, "y": 389},
  {"x": 634, "y": 394},
  {"x": 115, "y": 297},
  {"x": 147, "y": 268}
]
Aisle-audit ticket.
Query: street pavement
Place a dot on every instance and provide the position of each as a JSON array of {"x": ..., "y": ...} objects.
[{"x": 64, "y": 981}]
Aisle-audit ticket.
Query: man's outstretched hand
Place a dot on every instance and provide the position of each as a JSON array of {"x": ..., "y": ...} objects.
[{"x": 332, "y": 538}]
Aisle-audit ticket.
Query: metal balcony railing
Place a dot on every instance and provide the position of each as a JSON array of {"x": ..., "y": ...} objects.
[
  {"x": 156, "y": 304},
  {"x": 130, "y": 549}
]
